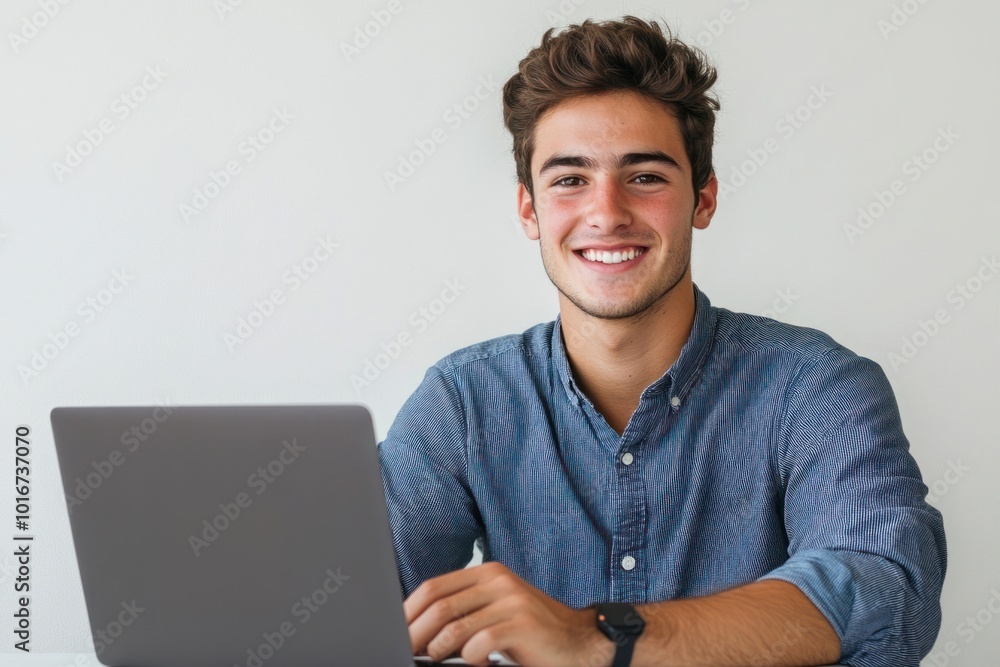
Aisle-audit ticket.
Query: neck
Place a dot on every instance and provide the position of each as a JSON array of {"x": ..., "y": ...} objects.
[{"x": 613, "y": 361}]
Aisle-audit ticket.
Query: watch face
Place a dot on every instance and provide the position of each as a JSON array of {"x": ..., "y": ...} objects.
[{"x": 621, "y": 617}]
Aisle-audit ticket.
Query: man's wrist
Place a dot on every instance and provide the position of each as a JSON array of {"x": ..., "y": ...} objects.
[
  {"x": 600, "y": 651},
  {"x": 657, "y": 643},
  {"x": 622, "y": 623}
]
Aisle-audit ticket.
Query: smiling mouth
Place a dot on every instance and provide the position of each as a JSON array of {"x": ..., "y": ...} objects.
[{"x": 611, "y": 256}]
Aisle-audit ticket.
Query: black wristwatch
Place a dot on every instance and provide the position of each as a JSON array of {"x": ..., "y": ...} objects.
[{"x": 623, "y": 625}]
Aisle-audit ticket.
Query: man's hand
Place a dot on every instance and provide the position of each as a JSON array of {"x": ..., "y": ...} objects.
[{"x": 488, "y": 608}]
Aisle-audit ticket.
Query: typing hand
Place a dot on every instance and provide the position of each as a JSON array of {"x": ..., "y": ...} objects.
[
  {"x": 479, "y": 610},
  {"x": 495, "y": 658}
]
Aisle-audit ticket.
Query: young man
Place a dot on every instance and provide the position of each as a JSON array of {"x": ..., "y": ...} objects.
[{"x": 741, "y": 488}]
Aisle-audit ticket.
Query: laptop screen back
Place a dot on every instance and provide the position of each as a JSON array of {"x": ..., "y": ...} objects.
[{"x": 242, "y": 536}]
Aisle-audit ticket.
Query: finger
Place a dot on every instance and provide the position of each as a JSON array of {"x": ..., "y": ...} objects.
[
  {"x": 432, "y": 590},
  {"x": 454, "y": 636},
  {"x": 496, "y": 637},
  {"x": 447, "y": 618}
]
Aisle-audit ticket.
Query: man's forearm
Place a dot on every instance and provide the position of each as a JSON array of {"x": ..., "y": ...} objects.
[{"x": 764, "y": 623}]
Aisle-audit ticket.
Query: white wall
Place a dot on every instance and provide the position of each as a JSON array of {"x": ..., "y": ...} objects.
[{"x": 63, "y": 234}]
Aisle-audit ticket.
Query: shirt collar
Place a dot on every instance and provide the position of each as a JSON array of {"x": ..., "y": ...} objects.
[{"x": 679, "y": 377}]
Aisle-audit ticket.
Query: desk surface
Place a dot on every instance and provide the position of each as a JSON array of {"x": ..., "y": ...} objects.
[
  {"x": 423, "y": 661},
  {"x": 90, "y": 660}
]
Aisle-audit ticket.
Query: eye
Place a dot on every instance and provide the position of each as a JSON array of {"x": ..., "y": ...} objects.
[
  {"x": 563, "y": 181},
  {"x": 653, "y": 179}
]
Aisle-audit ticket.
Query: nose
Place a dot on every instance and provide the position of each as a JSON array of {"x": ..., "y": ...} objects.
[{"x": 607, "y": 209}]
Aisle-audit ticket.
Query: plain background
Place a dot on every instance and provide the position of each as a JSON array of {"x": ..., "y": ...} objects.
[{"x": 895, "y": 76}]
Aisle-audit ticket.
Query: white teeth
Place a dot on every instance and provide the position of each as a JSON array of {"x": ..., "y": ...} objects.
[{"x": 609, "y": 257}]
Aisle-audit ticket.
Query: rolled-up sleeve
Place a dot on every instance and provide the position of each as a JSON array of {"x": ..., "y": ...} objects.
[
  {"x": 432, "y": 514},
  {"x": 864, "y": 546}
]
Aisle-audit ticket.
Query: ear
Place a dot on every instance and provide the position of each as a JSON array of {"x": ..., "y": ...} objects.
[
  {"x": 526, "y": 212},
  {"x": 707, "y": 202}
]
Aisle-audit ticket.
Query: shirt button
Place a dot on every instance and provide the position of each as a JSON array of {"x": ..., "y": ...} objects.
[
  {"x": 628, "y": 563},
  {"x": 627, "y": 458},
  {"x": 675, "y": 401}
]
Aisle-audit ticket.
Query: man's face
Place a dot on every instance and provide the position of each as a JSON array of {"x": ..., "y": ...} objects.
[{"x": 612, "y": 181}]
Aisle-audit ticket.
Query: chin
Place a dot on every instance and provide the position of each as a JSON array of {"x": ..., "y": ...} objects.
[{"x": 611, "y": 310}]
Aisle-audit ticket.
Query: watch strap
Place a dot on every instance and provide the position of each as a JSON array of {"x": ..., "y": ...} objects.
[
  {"x": 623, "y": 652},
  {"x": 624, "y": 641}
]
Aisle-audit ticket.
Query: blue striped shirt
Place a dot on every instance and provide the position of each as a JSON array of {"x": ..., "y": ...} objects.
[{"x": 766, "y": 451}]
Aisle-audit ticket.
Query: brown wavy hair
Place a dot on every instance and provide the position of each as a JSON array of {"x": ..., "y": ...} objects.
[{"x": 630, "y": 54}]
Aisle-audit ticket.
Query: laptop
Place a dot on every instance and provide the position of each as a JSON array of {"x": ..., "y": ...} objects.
[{"x": 233, "y": 536}]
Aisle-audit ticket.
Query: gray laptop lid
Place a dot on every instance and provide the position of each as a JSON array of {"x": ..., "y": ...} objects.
[{"x": 223, "y": 536}]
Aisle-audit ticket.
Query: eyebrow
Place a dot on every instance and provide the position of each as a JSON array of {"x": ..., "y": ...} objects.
[{"x": 626, "y": 160}]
